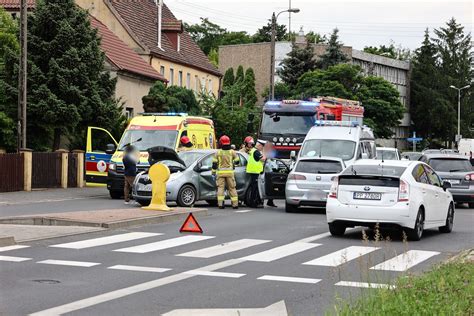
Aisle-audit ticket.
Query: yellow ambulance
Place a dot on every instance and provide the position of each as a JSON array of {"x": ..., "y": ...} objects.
[{"x": 104, "y": 154}]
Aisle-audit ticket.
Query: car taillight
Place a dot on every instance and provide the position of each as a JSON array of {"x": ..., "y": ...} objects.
[
  {"x": 112, "y": 166},
  {"x": 469, "y": 177},
  {"x": 403, "y": 191},
  {"x": 333, "y": 189},
  {"x": 295, "y": 176}
]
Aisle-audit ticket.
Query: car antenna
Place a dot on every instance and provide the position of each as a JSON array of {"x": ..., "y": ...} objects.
[{"x": 382, "y": 158}]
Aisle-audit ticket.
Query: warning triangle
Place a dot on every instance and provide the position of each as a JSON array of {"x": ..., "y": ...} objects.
[{"x": 190, "y": 225}]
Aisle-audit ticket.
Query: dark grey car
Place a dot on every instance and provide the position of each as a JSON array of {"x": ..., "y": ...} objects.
[{"x": 457, "y": 170}]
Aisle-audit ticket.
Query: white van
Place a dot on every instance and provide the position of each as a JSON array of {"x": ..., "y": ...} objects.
[
  {"x": 466, "y": 146},
  {"x": 346, "y": 140}
]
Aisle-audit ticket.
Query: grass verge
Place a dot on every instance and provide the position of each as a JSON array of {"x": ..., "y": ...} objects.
[{"x": 448, "y": 289}]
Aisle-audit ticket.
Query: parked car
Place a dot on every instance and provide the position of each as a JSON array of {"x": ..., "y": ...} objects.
[
  {"x": 309, "y": 181},
  {"x": 457, "y": 170},
  {"x": 411, "y": 155},
  {"x": 406, "y": 194},
  {"x": 388, "y": 153},
  {"x": 191, "y": 179}
]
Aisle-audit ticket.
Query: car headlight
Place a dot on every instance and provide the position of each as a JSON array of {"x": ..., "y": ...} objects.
[
  {"x": 113, "y": 166},
  {"x": 275, "y": 139},
  {"x": 281, "y": 139},
  {"x": 295, "y": 140}
]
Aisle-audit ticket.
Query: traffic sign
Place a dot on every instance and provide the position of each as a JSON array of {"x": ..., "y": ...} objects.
[
  {"x": 414, "y": 139},
  {"x": 190, "y": 225}
]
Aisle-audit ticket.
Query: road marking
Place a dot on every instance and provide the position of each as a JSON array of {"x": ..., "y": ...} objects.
[
  {"x": 138, "y": 268},
  {"x": 243, "y": 211},
  {"x": 14, "y": 247},
  {"x": 109, "y": 296},
  {"x": 224, "y": 248},
  {"x": 280, "y": 252},
  {"x": 69, "y": 263},
  {"x": 323, "y": 235},
  {"x": 405, "y": 261},
  {"x": 365, "y": 285},
  {"x": 288, "y": 279},
  {"x": 13, "y": 259},
  {"x": 341, "y": 256},
  {"x": 277, "y": 309},
  {"x": 164, "y": 244},
  {"x": 102, "y": 241},
  {"x": 216, "y": 274}
]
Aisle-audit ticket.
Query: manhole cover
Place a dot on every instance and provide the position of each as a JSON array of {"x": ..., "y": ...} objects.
[{"x": 47, "y": 281}]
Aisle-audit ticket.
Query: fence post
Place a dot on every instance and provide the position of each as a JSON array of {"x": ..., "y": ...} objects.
[
  {"x": 27, "y": 168},
  {"x": 64, "y": 164},
  {"x": 80, "y": 167}
]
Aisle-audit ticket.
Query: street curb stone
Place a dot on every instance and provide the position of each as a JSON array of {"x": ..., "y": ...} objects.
[{"x": 7, "y": 241}]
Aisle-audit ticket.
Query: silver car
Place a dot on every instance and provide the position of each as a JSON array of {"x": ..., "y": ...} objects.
[
  {"x": 457, "y": 170},
  {"x": 191, "y": 181},
  {"x": 310, "y": 180}
]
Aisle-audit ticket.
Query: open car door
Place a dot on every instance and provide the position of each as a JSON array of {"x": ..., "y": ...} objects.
[
  {"x": 271, "y": 183},
  {"x": 100, "y": 147}
]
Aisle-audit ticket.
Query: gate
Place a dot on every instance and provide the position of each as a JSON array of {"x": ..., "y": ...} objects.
[
  {"x": 46, "y": 171},
  {"x": 72, "y": 170},
  {"x": 11, "y": 172}
]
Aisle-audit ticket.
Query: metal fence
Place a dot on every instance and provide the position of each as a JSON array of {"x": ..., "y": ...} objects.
[
  {"x": 46, "y": 170},
  {"x": 11, "y": 172}
]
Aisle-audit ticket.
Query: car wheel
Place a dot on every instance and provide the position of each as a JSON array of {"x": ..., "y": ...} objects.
[
  {"x": 115, "y": 195},
  {"x": 449, "y": 221},
  {"x": 337, "y": 229},
  {"x": 211, "y": 202},
  {"x": 248, "y": 199},
  {"x": 416, "y": 233},
  {"x": 290, "y": 208},
  {"x": 143, "y": 202},
  {"x": 186, "y": 196}
]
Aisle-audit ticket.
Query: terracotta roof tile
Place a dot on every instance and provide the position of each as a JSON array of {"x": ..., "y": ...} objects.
[
  {"x": 141, "y": 17},
  {"x": 121, "y": 55},
  {"x": 15, "y": 4}
]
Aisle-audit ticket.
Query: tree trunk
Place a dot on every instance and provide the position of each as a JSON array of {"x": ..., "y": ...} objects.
[{"x": 57, "y": 139}]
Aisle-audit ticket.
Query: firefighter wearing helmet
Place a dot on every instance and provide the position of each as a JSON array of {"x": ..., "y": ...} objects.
[
  {"x": 247, "y": 145},
  {"x": 185, "y": 144},
  {"x": 223, "y": 165}
]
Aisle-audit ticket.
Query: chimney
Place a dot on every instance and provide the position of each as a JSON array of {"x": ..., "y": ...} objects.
[{"x": 159, "y": 3}]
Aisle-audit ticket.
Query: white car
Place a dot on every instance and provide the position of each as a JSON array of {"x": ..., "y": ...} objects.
[
  {"x": 406, "y": 194},
  {"x": 388, "y": 153}
]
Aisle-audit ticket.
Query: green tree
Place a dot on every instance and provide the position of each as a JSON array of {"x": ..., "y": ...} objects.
[
  {"x": 249, "y": 94},
  {"x": 315, "y": 38},
  {"x": 234, "y": 38},
  {"x": 239, "y": 76},
  {"x": 333, "y": 54},
  {"x": 214, "y": 57},
  {"x": 206, "y": 34},
  {"x": 298, "y": 62},
  {"x": 264, "y": 34},
  {"x": 68, "y": 87},
  {"x": 229, "y": 78},
  {"x": 390, "y": 51},
  {"x": 232, "y": 122},
  {"x": 282, "y": 92},
  {"x": 162, "y": 99}
]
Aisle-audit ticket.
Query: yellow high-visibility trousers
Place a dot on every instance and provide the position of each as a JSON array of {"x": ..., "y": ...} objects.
[{"x": 223, "y": 180}]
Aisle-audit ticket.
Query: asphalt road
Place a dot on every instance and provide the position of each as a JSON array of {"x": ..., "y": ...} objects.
[{"x": 260, "y": 259}]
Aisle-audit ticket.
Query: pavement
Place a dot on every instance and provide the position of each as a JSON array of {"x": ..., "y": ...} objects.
[{"x": 247, "y": 262}]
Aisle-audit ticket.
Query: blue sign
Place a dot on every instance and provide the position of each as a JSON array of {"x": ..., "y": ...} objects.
[{"x": 414, "y": 139}]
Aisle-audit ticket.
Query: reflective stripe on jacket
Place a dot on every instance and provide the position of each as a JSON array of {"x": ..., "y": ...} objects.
[{"x": 224, "y": 161}]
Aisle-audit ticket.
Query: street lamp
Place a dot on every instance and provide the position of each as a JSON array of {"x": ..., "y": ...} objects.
[
  {"x": 272, "y": 50},
  {"x": 458, "y": 136}
]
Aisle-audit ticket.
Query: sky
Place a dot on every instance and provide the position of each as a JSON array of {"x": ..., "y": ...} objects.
[{"x": 360, "y": 23}]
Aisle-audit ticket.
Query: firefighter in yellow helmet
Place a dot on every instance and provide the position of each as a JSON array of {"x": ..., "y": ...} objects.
[{"x": 223, "y": 164}]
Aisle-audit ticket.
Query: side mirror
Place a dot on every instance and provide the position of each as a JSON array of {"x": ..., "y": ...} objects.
[
  {"x": 365, "y": 156},
  {"x": 293, "y": 155},
  {"x": 446, "y": 185},
  {"x": 110, "y": 149}
]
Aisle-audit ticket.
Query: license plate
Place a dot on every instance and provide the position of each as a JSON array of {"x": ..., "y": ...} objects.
[
  {"x": 367, "y": 196},
  {"x": 452, "y": 181}
]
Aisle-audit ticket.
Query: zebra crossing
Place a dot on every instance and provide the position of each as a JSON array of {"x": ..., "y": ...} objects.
[{"x": 399, "y": 263}]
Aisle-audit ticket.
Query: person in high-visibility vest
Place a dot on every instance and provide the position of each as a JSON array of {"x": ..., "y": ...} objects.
[
  {"x": 223, "y": 165},
  {"x": 254, "y": 169},
  {"x": 185, "y": 144}
]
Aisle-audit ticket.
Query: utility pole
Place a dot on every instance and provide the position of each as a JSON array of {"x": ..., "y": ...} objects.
[
  {"x": 272, "y": 59},
  {"x": 458, "y": 136},
  {"x": 22, "y": 88},
  {"x": 289, "y": 21}
]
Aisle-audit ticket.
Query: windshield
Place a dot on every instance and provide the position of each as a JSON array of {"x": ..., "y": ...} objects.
[
  {"x": 450, "y": 165},
  {"x": 319, "y": 166},
  {"x": 150, "y": 138},
  {"x": 190, "y": 157},
  {"x": 287, "y": 123},
  {"x": 343, "y": 149},
  {"x": 387, "y": 155}
]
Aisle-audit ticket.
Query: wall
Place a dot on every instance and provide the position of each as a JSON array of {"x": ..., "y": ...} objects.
[
  {"x": 131, "y": 91},
  {"x": 256, "y": 56}
]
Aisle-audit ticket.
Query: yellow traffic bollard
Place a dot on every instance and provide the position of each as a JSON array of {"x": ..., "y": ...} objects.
[{"x": 159, "y": 174}]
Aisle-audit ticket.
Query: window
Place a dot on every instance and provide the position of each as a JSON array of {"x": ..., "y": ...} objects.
[
  {"x": 432, "y": 176},
  {"x": 180, "y": 78},
  {"x": 243, "y": 161},
  {"x": 128, "y": 113},
  {"x": 188, "y": 81},
  {"x": 319, "y": 166},
  {"x": 171, "y": 76},
  {"x": 162, "y": 70},
  {"x": 420, "y": 175},
  {"x": 207, "y": 162},
  {"x": 450, "y": 165}
]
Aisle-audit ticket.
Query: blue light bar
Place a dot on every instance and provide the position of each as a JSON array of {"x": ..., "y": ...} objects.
[
  {"x": 163, "y": 114},
  {"x": 336, "y": 123}
]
